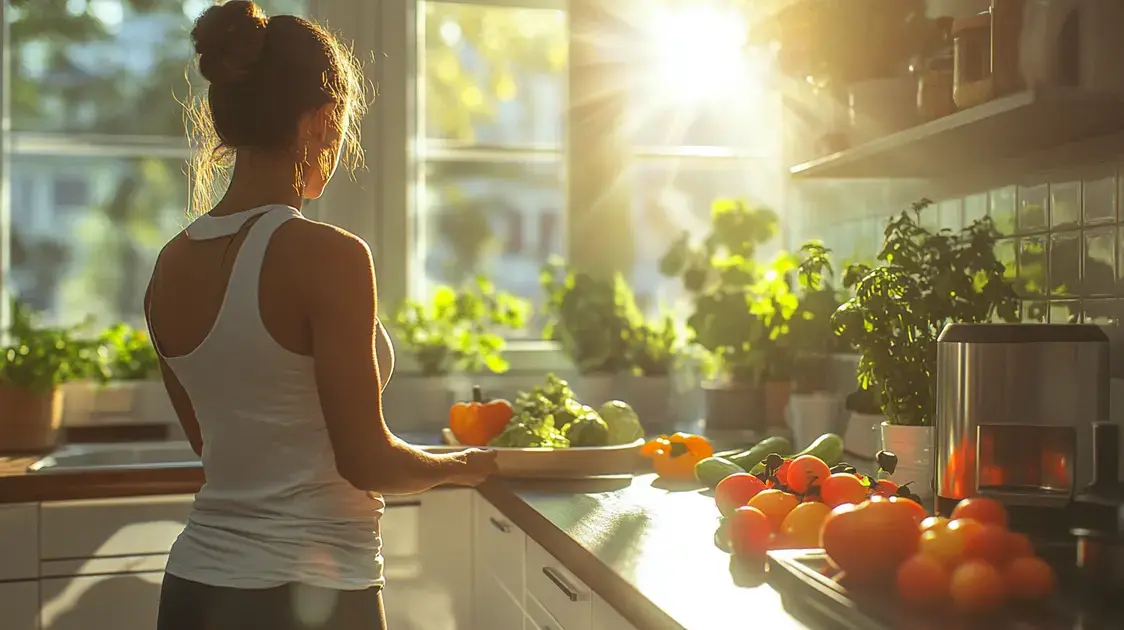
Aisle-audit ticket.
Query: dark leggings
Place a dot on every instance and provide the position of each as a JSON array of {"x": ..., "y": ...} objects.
[{"x": 187, "y": 605}]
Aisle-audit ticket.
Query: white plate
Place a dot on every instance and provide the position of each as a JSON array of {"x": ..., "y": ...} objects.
[{"x": 562, "y": 463}]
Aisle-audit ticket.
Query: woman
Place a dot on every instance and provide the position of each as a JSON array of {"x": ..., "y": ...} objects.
[{"x": 266, "y": 325}]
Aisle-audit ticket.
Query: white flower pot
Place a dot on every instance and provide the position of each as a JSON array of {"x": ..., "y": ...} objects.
[
  {"x": 914, "y": 447},
  {"x": 418, "y": 403},
  {"x": 861, "y": 437},
  {"x": 811, "y": 415},
  {"x": 117, "y": 402},
  {"x": 653, "y": 399},
  {"x": 597, "y": 389}
]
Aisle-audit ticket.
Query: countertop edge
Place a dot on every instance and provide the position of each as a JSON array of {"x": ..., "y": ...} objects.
[{"x": 614, "y": 589}]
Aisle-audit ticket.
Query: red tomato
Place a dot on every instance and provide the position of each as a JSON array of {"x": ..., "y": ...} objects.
[
  {"x": 775, "y": 504},
  {"x": 735, "y": 491},
  {"x": 841, "y": 488},
  {"x": 934, "y": 522},
  {"x": 750, "y": 532},
  {"x": 911, "y": 507},
  {"x": 1019, "y": 546},
  {"x": 884, "y": 488},
  {"x": 923, "y": 581},
  {"x": 981, "y": 509},
  {"x": 782, "y": 471},
  {"x": 869, "y": 541},
  {"x": 1029, "y": 578},
  {"x": 977, "y": 587},
  {"x": 991, "y": 543},
  {"x": 804, "y": 471}
]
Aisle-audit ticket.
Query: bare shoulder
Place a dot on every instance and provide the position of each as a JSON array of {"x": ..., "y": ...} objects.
[{"x": 319, "y": 252}]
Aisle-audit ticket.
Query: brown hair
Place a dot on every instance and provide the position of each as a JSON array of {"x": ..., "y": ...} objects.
[{"x": 264, "y": 74}]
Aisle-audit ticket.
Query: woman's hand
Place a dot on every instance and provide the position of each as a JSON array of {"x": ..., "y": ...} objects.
[{"x": 479, "y": 465}]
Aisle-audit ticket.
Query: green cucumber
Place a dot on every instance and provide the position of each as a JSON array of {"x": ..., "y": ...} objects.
[
  {"x": 828, "y": 447},
  {"x": 763, "y": 449},
  {"x": 712, "y": 470}
]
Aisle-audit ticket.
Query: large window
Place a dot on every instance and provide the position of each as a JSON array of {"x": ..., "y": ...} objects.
[{"x": 492, "y": 124}]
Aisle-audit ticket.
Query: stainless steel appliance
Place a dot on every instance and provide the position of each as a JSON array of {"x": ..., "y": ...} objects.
[{"x": 1016, "y": 404}]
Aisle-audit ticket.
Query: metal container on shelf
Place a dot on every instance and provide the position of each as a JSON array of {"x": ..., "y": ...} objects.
[
  {"x": 1016, "y": 405},
  {"x": 971, "y": 43}
]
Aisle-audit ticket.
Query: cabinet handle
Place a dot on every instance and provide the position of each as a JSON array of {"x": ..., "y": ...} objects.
[
  {"x": 563, "y": 585},
  {"x": 500, "y": 525}
]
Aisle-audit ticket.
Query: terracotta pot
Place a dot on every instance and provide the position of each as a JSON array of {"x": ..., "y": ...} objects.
[
  {"x": 777, "y": 394},
  {"x": 734, "y": 409},
  {"x": 29, "y": 421},
  {"x": 653, "y": 399}
]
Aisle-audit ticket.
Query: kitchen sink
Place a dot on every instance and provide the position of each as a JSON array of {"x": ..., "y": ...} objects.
[{"x": 134, "y": 455}]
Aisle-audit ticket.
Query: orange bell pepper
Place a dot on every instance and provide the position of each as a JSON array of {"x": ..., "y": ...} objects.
[
  {"x": 674, "y": 457},
  {"x": 477, "y": 422}
]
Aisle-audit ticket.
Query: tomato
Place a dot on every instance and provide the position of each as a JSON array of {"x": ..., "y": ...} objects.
[
  {"x": 991, "y": 543},
  {"x": 735, "y": 491},
  {"x": 776, "y": 504},
  {"x": 804, "y": 471},
  {"x": 940, "y": 544},
  {"x": 1019, "y": 546},
  {"x": 884, "y": 488},
  {"x": 923, "y": 581},
  {"x": 977, "y": 587},
  {"x": 966, "y": 526},
  {"x": 981, "y": 509},
  {"x": 911, "y": 507},
  {"x": 934, "y": 522},
  {"x": 782, "y": 471},
  {"x": 801, "y": 528},
  {"x": 1029, "y": 578},
  {"x": 841, "y": 488},
  {"x": 750, "y": 532},
  {"x": 869, "y": 541}
]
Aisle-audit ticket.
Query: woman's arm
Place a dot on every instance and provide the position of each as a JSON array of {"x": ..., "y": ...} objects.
[
  {"x": 339, "y": 286},
  {"x": 180, "y": 401}
]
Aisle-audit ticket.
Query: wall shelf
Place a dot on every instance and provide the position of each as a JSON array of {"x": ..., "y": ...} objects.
[{"x": 966, "y": 142}]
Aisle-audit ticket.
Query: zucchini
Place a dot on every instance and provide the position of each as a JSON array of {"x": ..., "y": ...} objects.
[
  {"x": 761, "y": 450},
  {"x": 712, "y": 470},
  {"x": 828, "y": 447}
]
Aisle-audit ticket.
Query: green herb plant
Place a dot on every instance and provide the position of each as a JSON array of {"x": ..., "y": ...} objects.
[
  {"x": 130, "y": 354},
  {"x": 41, "y": 357},
  {"x": 461, "y": 331},
  {"x": 653, "y": 346},
  {"x": 590, "y": 316},
  {"x": 922, "y": 281},
  {"x": 740, "y": 307},
  {"x": 813, "y": 338}
]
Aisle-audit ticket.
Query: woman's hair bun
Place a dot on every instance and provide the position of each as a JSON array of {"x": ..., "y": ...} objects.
[{"x": 229, "y": 39}]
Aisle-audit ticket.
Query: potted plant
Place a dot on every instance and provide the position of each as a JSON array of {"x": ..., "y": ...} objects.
[
  {"x": 776, "y": 304},
  {"x": 862, "y": 437},
  {"x": 589, "y": 316},
  {"x": 813, "y": 408},
  {"x": 126, "y": 384},
  {"x": 653, "y": 350},
  {"x": 454, "y": 333},
  {"x": 37, "y": 360},
  {"x": 922, "y": 281},
  {"x": 738, "y": 310}
]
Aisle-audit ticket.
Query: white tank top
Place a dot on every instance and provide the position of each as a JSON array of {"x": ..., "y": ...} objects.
[{"x": 273, "y": 510}]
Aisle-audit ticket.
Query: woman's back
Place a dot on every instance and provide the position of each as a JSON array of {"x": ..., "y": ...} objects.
[{"x": 227, "y": 315}]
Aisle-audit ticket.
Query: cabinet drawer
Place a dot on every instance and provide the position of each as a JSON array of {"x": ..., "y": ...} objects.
[
  {"x": 499, "y": 546},
  {"x": 605, "y": 617},
  {"x": 19, "y": 541},
  {"x": 559, "y": 592},
  {"x": 19, "y": 605},
  {"x": 493, "y": 607},
  {"x": 121, "y": 602},
  {"x": 111, "y": 527},
  {"x": 538, "y": 618}
]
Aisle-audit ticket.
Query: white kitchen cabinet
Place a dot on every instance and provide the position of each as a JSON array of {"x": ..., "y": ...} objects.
[
  {"x": 19, "y": 541},
  {"x": 124, "y": 601},
  {"x": 561, "y": 594},
  {"x": 96, "y": 528},
  {"x": 19, "y": 605},
  {"x": 427, "y": 547},
  {"x": 605, "y": 617},
  {"x": 499, "y": 547},
  {"x": 538, "y": 618},
  {"x": 494, "y": 608}
]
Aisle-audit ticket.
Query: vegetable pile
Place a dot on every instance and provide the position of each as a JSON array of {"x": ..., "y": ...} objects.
[{"x": 551, "y": 416}]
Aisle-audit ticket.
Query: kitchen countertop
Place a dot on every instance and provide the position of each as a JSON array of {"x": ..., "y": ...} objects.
[{"x": 646, "y": 550}]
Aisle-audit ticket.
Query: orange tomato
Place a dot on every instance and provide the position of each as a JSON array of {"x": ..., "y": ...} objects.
[
  {"x": 1029, "y": 578},
  {"x": 805, "y": 471},
  {"x": 991, "y": 543},
  {"x": 841, "y": 488},
  {"x": 869, "y": 541},
  {"x": 735, "y": 491},
  {"x": 884, "y": 488},
  {"x": 977, "y": 587},
  {"x": 782, "y": 471},
  {"x": 1019, "y": 546},
  {"x": 775, "y": 504},
  {"x": 749, "y": 531},
  {"x": 934, "y": 522},
  {"x": 968, "y": 527},
  {"x": 911, "y": 507},
  {"x": 923, "y": 581},
  {"x": 941, "y": 545},
  {"x": 801, "y": 528},
  {"x": 981, "y": 509}
]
